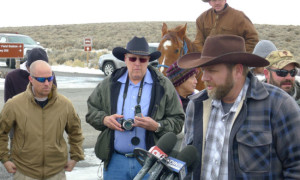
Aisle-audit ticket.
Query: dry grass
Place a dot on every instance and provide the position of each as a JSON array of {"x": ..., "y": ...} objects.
[{"x": 65, "y": 42}]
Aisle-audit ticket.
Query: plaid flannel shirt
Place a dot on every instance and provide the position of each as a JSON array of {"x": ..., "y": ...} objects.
[{"x": 217, "y": 138}]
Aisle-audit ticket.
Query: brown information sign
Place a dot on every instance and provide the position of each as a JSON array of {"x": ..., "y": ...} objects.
[
  {"x": 87, "y": 48},
  {"x": 11, "y": 50}
]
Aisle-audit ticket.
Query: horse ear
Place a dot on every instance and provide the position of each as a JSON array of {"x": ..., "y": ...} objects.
[
  {"x": 181, "y": 32},
  {"x": 164, "y": 29}
]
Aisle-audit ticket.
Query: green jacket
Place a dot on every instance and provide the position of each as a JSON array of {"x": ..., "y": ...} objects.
[
  {"x": 164, "y": 107},
  {"x": 39, "y": 148}
]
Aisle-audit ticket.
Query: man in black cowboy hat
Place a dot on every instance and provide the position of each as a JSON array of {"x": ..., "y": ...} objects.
[
  {"x": 132, "y": 108},
  {"x": 243, "y": 128}
]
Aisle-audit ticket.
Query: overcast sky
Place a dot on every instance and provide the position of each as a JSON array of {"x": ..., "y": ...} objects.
[{"x": 50, "y": 12}]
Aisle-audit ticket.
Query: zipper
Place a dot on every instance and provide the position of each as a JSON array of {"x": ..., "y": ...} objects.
[{"x": 43, "y": 142}]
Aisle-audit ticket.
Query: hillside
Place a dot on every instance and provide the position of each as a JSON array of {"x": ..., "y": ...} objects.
[{"x": 65, "y": 42}]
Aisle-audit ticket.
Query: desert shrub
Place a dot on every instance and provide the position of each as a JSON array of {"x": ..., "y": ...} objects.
[
  {"x": 288, "y": 39},
  {"x": 75, "y": 63},
  {"x": 66, "y": 41}
]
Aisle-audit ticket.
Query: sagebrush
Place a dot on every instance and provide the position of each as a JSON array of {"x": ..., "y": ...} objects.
[{"x": 65, "y": 42}]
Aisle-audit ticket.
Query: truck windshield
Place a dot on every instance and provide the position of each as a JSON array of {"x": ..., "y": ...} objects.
[{"x": 21, "y": 39}]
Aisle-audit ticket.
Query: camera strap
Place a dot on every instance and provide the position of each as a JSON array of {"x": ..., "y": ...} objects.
[
  {"x": 139, "y": 93},
  {"x": 135, "y": 140}
]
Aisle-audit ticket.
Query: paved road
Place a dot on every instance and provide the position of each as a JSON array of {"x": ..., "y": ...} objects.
[{"x": 79, "y": 98}]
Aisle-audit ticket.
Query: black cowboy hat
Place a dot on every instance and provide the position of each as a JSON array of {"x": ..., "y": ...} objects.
[
  {"x": 229, "y": 49},
  {"x": 137, "y": 46}
]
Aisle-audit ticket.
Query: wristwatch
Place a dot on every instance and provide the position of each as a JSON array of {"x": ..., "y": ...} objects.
[{"x": 158, "y": 128}]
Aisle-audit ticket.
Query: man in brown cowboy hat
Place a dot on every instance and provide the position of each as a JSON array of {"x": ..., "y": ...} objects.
[
  {"x": 133, "y": 107},
  {"x": 243, "y": 128},
  {"x": 223, "y": 19}
]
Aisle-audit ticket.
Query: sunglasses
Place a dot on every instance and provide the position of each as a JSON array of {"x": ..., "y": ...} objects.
[
  {"x": 43, "y": 79},
  {"x": 133, "y": 59},
  {"x": 283, "y": 72}
]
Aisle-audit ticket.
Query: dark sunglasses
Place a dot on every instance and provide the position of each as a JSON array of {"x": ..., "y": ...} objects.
[
  {"x": 133, "y": 59},
  {"x": 43, "y": 79},
  {"x": 283, "y": 72}
]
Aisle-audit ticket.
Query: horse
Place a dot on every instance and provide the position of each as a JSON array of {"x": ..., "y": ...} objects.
[{"x": 174, "y": 44}]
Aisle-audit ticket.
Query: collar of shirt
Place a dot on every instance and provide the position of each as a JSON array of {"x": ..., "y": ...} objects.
[{"x": 147, "y": 79}]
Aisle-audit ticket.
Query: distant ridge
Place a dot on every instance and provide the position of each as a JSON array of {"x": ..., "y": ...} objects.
[{"x": 110, "y": 35}]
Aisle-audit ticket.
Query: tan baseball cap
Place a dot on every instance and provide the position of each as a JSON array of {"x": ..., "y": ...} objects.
[{"x": 281, "y": 58}]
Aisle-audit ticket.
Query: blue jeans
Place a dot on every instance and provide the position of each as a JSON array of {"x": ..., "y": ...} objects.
[{"x": 122, "y": 168}]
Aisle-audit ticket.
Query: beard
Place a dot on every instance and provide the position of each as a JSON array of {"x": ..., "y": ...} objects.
[
  {"x": 290, "y": 91},
  {"x": 221, "y": 91}
]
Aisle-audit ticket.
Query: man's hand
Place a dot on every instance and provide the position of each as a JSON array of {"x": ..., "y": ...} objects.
[
  {"x": 70, "y": 165},
  {"x": 10, "y": 167},
  {"x": 112, "y": 123},
  {"x": 146, "y": 123}
]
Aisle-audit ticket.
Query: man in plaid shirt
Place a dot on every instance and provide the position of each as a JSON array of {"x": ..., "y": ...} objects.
[{"x": 242, "y": 128}]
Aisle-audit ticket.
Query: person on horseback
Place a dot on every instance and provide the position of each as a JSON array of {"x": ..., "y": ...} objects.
[{"x": 223, "y": 19}]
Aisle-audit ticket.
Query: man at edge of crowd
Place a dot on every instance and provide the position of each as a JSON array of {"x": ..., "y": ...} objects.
[
  {"x": 282, "y": 72},
  {"x": 40, "y": 116}
]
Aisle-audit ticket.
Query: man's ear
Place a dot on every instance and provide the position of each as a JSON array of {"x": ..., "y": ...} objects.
[
  {"x": 267, "y": 74},
  {"x": 239, "y": 69},
  {"x": 30, "y": 78}
]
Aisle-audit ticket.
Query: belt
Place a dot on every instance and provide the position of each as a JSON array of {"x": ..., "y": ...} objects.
[{"x": 129, "y": 155}]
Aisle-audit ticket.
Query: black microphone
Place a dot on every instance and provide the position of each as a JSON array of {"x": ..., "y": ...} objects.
[
  {"x": 164, "y": 174},
  {"x": 190, "y": 156},
  {"x": 163, "y": 147}
]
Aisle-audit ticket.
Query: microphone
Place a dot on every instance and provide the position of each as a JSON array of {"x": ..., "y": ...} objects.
[
  {"x": 159, "y": 165},
  {"x": 186, "y": 160},
  {"x": 163, "y": 147},
  {"x": 164, "y": 174}
]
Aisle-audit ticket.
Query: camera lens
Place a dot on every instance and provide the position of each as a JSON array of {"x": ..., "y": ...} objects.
[{"x": 127, "y": 124}]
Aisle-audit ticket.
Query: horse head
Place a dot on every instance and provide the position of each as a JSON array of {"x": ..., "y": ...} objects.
[{"x": 172, "y": 45}]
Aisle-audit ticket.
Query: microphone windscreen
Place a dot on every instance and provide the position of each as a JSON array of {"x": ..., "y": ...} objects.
[
  {"x": 173, "y": 153},
  {"x": 167, "y": 142},
  {"x": 189, "y": 155}
]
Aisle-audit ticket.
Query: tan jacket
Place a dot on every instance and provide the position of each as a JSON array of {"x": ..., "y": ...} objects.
[
  {"x": 229, "y": 21},
  {"x": 39, "y": 148}
]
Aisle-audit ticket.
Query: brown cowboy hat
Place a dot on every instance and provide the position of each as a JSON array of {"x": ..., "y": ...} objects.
[{"x": 229, "y": 49}]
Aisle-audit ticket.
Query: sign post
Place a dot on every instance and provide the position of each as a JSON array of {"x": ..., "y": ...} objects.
[{"x": 88, "y": 42}]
